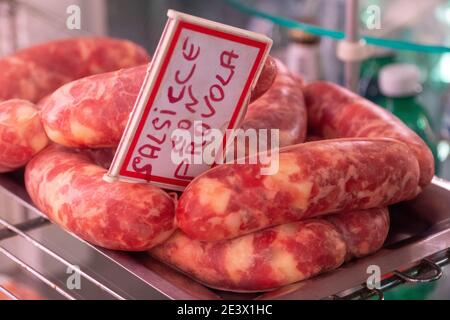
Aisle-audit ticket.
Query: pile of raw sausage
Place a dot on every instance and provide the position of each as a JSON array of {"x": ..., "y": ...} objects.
[
  {"x": 232, "y": 228},
  {"x": 31, "y": 74}
]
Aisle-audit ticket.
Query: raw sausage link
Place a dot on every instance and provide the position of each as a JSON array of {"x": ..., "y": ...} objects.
[
  {"x": 364, "y": 231},
  {"x": 313, "y": 178},
  {"x": 259, "y": 261},
  {"x": 267, "y": 77},
  {"x": 281, "y": 107},
  {"x": 335, "y": 112},
  {"x": 277, "y": 256},
  {"x": 93, "y": 112},
  {"x": 68, "y": 187},
  {"x": 21, "y": 134},
  {"x": 33, "y": 73}
]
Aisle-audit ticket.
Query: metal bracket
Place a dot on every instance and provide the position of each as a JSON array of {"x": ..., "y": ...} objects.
[
  {"x": 417, "y": 278},
  {"x": 430, "y": 264}
]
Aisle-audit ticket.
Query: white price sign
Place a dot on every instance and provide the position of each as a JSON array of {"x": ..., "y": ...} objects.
[{"x": 200, "y": 79}]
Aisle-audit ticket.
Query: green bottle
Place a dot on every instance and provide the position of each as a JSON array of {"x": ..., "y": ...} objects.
[
  {"x": 399, "y": 85},
  {"x": 370, "y": 69}
]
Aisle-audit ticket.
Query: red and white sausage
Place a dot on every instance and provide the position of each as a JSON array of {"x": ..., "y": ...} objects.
[
  {"x": 282, "y": 107},
  {"x": 267, "y": 77},
  {"x": 277, "y": 256},
  {"x": 313, "y": 178},
  {"x": 364, "y": 231},
  {"x": 35, "y": 72},
  {"x": 68, "y": 187},
  {"x": 93, "y": 112},
  {"x": 21, "y": 134},
  {"x": 335, "y": 112}
]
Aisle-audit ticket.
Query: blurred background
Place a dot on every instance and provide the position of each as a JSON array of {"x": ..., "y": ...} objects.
[{"x": 421, "y": 77}]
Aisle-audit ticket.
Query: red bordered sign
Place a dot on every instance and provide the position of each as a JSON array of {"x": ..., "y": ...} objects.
[{"x": 200, "y": 78}]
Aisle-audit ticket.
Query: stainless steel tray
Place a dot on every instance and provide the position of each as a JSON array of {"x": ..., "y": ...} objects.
[{"x": 420, "y": 229}]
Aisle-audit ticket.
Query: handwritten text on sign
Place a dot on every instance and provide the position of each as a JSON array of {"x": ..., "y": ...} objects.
[{"x": 205, "y": 75}]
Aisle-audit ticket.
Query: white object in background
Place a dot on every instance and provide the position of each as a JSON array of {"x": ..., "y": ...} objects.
[
  {"x": 399, "y": 80},
  {"x": 303, "y": 55},
  {"x": 348, "y": 51}
]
